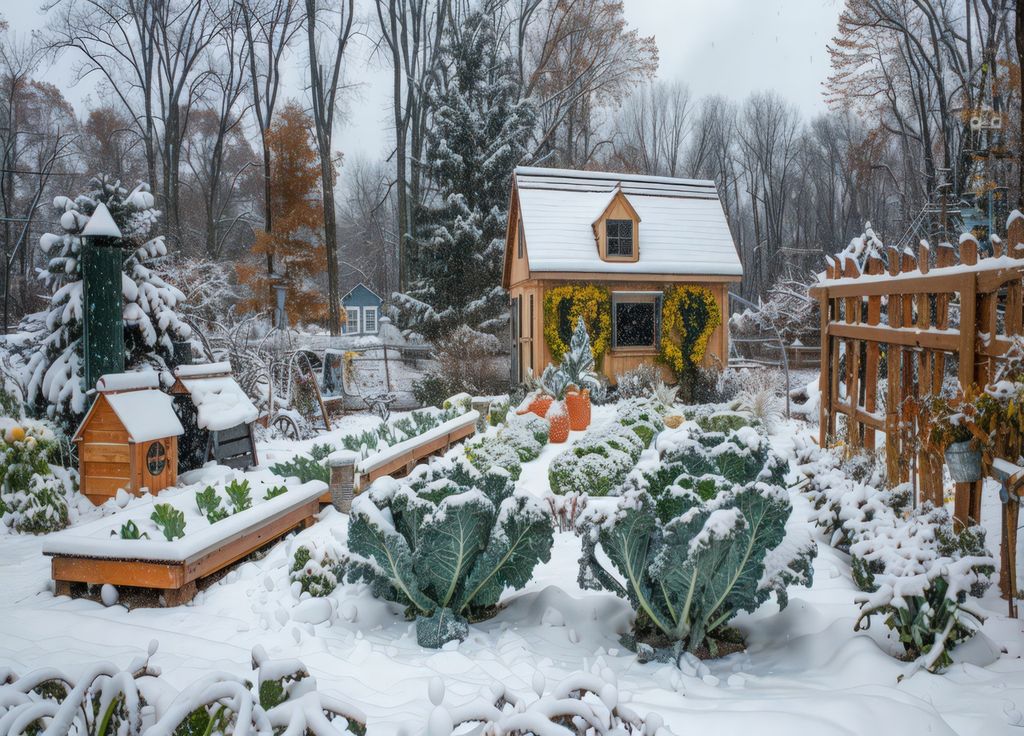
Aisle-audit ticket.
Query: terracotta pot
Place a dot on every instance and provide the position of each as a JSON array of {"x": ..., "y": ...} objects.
[
  {"x": 559, "y": 426},
  {"x": 578, "y": 404},
  {"x": 540, "y": 405}
]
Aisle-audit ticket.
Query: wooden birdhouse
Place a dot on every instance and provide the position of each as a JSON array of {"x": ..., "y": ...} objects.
[
  {"x": 129, "y": 438},
  {"x": 217, "y": 414}
]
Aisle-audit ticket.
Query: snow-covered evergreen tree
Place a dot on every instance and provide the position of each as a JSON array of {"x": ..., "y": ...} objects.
[
  {"x": 578, "y": 361},
  {"x": 54, "y": 376},
  {"x": 479, "y": 133}
]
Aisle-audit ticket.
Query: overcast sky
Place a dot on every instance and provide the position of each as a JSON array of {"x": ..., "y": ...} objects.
[{"x": 729, "y": 47}]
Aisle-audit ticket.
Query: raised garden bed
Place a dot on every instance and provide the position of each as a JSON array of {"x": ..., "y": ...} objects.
[
  {"x": 401, "y": 458},
  {"x": 91, "y": 554}
]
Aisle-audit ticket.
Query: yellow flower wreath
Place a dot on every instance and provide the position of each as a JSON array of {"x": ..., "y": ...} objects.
[
  {"x": 587, "y": 301},
  {"x": 689, "y": 317}
]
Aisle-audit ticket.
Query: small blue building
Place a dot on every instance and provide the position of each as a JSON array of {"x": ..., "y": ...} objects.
[{"x": 362, "y": 311}]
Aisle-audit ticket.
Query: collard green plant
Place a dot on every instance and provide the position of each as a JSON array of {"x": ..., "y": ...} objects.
[
  {"x": 169, "y": 520},
  {"x": 691, "y": 548},
  {"x": 239, "y": 494},
  {"x": 446, "y": 542},
  {"x": 209, "y": 505},
  {"x": 688, "y": 576}
]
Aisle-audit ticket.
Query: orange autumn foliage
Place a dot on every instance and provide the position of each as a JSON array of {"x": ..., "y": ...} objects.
[{"x": 294, "y": 245}]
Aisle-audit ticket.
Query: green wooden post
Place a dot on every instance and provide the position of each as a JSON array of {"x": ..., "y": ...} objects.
[{"x": 102, "y": 261}]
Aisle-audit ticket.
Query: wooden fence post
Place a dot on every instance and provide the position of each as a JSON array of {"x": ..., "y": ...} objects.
[{"x": 964, "y": 500}]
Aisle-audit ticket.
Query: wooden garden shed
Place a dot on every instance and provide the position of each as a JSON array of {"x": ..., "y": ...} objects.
[
  {"x": 632, "y": 247},
  {"x": 129, "y": 438}
]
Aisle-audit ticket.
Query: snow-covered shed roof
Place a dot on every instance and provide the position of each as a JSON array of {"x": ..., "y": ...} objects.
[
  {"x": 683, "y": 229},
  {"x": 220, "y": 402}
]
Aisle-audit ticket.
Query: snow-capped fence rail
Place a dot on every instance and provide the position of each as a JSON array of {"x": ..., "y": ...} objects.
[
  {"x": 92, "y": 554},
  {"x": 890, "y": 318}
]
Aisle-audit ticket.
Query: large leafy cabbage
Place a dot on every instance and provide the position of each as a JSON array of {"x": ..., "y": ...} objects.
[
  {"x": 691, "y": 553},
  {"x": 446, "y": 542}
]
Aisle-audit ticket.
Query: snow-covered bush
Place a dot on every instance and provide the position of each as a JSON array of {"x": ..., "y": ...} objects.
[
  {"x": 488, "y": 452},
  {"x": 445, "y": 542},
  {"x": 723, "y": 421},
  {"x": 53, "y": 379},
  {"x": 107, "y": 700},
  {"x": 578, "y": 361},
  {"x": 740, "y": 456},
  {"x": 584, "y": 704},
  {"x": 915, "y": 568},
  {"x": 600, "y": 461},
  {"x": 637, "y": 383},
  {"x": 317, "y": 569},
  {"x": 33, "y": 494},
  {"x": 527, "y": 434}
]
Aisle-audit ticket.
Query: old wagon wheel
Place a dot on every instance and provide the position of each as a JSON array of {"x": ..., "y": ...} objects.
[{"x": 286, "y": 426}]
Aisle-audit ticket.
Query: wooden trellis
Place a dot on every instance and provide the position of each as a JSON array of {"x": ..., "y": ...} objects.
[{"x": 905, "y": 317}]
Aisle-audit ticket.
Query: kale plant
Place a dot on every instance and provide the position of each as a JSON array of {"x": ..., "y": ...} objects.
[
  {"x": 445, "y": 542},
  {"x": 129, "y": 530},
  {"x": 692, "y": 553},
  {"x": 274, "y": 492},
  {"x": 209, "y": 505},
  {"x": 169, "y": 520},
  {"x": 238, "y": 492}
]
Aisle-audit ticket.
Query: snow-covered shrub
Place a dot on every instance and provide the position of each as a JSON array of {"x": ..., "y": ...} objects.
[
  {"x": 639, "y": 382},
  {"x": 527, "y": 434},
  {"x": 740, "y": 456},
  {"x": 688, "y": 575},
  {"x": 107, "y": 700},
  {"x": 600, "y": 461},
  {"x": 578, "y": 361},
  {"x": 723, "y": 421},
  {"x": 468, "y": 361},
  {"x": 317, "y": 569},
  {"x": 54, "y": 371},
  {"x": 915, "y": 568},
  {"x": 445, "y": 542},
  {"x": 33, "y": 497},
  {"x": 489, "y": 452},
  {"x": 582, "y": 704}
]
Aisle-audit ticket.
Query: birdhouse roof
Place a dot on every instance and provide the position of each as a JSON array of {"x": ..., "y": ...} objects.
[
  {"x": 220, "y": 402},
  {"x": 101, "y": 224}
]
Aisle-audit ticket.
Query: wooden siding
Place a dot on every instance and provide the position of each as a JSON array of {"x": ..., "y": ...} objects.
[
  {"x": 109, "y": 461},
  {"x": 536, "y": 351}
]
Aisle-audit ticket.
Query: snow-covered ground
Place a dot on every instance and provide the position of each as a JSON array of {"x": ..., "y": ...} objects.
[{"x": 804, "y": 671}]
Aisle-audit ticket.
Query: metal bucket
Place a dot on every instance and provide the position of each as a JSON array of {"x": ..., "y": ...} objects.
[{"x": 964, "y": 462}]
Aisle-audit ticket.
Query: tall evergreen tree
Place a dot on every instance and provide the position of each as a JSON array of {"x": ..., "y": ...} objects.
[
  {"x": 480, "y": 130},
  {"x": 54, "y": 372}
]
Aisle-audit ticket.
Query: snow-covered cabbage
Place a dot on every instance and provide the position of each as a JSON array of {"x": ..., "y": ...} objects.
[
  {"x": 446, "y": 542},
  {"x": 527, "y": 434},
  {"x": 705, "y": 549}
]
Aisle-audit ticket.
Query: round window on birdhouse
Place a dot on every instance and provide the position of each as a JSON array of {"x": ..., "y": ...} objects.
[{"x": 156, "y": 458}]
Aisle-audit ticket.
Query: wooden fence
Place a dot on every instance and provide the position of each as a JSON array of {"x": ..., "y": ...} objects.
[{"x": 911, "y": 319}]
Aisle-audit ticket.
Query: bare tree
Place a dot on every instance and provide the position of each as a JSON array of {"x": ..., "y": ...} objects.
[
  {"x": 411, "y": 33},
  {"x": 652, "y": 129},
  {"x": 269, "y": 27},
  {"x": 328, "y": 39}
]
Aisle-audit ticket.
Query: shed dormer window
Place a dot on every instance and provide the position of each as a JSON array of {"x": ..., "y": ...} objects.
[{"x": 619, "y": 238}]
